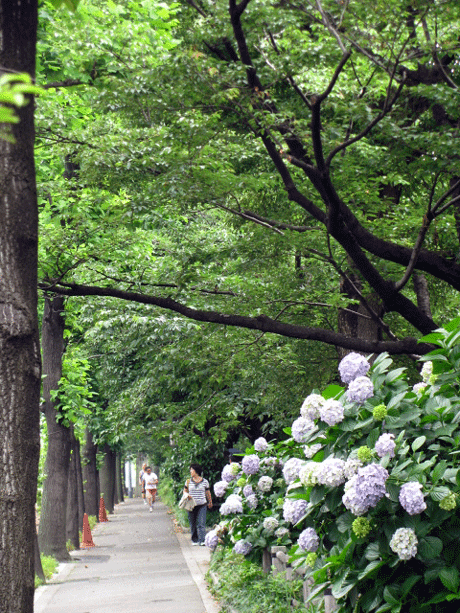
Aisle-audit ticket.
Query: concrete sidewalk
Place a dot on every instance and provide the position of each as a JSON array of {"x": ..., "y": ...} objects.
[{"x": 141, "y": 564}]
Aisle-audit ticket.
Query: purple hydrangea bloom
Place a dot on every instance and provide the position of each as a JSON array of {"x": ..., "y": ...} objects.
[
  {"x": 301, "y": 428},
  {"x": 310, "y": 450},
  {"x": 308, "y": 540},
  {"x": 270, "y": 524},
  {"x": 271, "y": 461},
  {"x": 331, "y": 412},
  {"x": 230, "y": 471},
  {"x": 385, "y": 445},
  {"x": 233, "y": 504},
  {"x": 265, "y": 484},
  {"x": 294, "y": 510},
  {"x": 331, "y": 472},
  {"x": 291, "y": 469},
  {"x": 365, "y": 489},
  {"x": 220, "y": 488},
  {"x": 211, "y": 539},
  {"x": 252, "y": 501},
  {"x": 250, "y": 464},
  {"x": 247, "y": 490},
  {"x": 260, "y": 444},
  {"x": 311, "y": 406},
  {"x": 360, "y": 390},
  {"x": 242, "y": 546},
  {"x": 404, "y": 543},
  {"x": 352, "y": 366},
  {"x": 411, "y": 498}
]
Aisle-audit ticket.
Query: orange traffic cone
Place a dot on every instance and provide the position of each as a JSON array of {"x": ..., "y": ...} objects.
[
  {"x": 87, "y": 538},
  {"x": 102, "y": 513}
]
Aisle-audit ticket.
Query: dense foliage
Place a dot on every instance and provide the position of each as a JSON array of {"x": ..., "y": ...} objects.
[{"x": 373, "y": 511}]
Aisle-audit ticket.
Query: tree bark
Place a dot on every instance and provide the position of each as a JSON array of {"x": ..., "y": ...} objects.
[
  {"x": 119, "y": 478},
  {"x": 90, "y": 476},
  {"x": 107, "y": 479},
  {"x": 80, "y": 495},
  {"x": 52, "y": 530},
  {"x": 19, "y": 338},
  {"x": 72, "y": 519}
]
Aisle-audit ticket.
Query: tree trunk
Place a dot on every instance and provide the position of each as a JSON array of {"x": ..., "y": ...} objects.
[
  {"x": 119, "y": 477},
  {"x": 107, "y": 479},
  {"x": 80, "y": 495},
  {"x": 90, "y": 476},
  {"x": 19, "y": 338},
  {"x": 52, "y": 529},
  {"x": 72, "y": 519},
  {"x": 423, "y": 294}
]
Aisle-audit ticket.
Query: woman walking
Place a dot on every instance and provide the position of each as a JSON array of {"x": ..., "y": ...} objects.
[{"x": 198, "y": 489}]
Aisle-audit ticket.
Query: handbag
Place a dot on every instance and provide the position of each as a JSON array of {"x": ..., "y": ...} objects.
[{"x": 187, "y": 503}]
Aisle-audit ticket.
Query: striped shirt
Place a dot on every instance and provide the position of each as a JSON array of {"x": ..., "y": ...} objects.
[{"x": 198, "y": 490}]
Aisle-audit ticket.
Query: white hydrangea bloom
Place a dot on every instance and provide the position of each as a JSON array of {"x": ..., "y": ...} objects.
[
  {"x": 311, "y": 450},
  {"x": 404, "y": 543},
  {"x": 311, "y": 406}
]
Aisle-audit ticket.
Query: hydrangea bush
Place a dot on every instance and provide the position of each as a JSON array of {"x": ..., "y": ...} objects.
[{"x": 364, "y": 492}]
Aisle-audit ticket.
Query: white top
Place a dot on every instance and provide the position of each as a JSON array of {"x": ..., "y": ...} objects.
[{"x": 150, "y": 481}]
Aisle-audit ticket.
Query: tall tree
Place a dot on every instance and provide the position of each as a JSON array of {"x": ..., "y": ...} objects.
[{"x": 19, "y": 345}]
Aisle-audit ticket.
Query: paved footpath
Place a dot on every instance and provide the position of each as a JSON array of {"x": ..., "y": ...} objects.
[{"x": 141, "y": 564}]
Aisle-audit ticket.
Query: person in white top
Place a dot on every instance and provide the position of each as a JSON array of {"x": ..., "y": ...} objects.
[{"x": 150, "y": 480}]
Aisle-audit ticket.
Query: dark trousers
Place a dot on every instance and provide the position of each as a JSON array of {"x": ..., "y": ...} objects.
[{"x": 197, "y": 519}]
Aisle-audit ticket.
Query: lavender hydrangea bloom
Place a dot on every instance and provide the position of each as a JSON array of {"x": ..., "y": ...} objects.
[
  {"x": 308, "y": 540},
  {"x": 230, "y": 471},
  {"x": 404, "y": 543},
  {"x": 265, "y": 484},
  {"x": 211, "y": 539},
  {"x": 242, "y": 546},
  {"x": 291, "y": 469},
  {"x": 301, "y": 428},
  {"x": 311, "y": 406},
  {"x": 270, "y": 461},
  {"x": 233, "y": 504},
  {"x": 419, "y": 387},
  {"x": 280, "y": 532},
  {"x": 250, "y": 464},
  {"x": 311, "y": 450},
  {"x": 411, "y": 498},
  {"x": 247, "y": 490},
  {"x": 260, "y": 444},
  {"x": 331, "y": 412},
  {"x": 385, "y": 445},
  {"x": 352, "y": 366},
  {"x": 220, "y": 488},
  {"x": 270, "y": 524},
  {"x": 331, "y": 472},
  {"x": 294, "y": 510},
  {"x": 252, "y": 501},
  {"x": 365, "y": 489},
  {"x": 360, "y": 390}
]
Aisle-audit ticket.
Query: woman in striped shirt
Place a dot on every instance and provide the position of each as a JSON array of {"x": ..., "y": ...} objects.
[{"x": 198, "y": 489}]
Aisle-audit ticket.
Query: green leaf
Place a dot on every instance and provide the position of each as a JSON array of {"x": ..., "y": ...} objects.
[
  {"x": 419, "y": 442},
  {"x": 429, "y": 548},
  {"x": 450, "y": 578}
]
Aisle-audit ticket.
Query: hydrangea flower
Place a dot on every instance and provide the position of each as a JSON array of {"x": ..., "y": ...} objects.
[
  {"x": 364, "y": 453},
  {"x": 379, "y": 412},
  {"x": 311, "y": 559},
  {"x": 361, "y": 527},
  {"x": 291, "y": 469},
  {"x": 351, "y": 467},
  {"x": 385, "y": 445},
  {"x": 233, "y": 504},
  {"x": 419, "y": 387},
  {"x": 270, "y": 461},
  {"x": 247, "y": 490},
  {"x": 311, "y": 406},
  {"x": 353, "y": 365},
  {"x": 242, "y": 546},
  {"x": 265, "y": 484},
  {"x": 301, "y": 428},
  {"x": 427, "y": 371},
  {"x": 411, "y": 498},
  {"x": 365, "y": 489},
  {"x": 294, "y": 510},
  {"x": 311, "y": 450},
  {"x": 230, "y": 471},
  {"x": 404, "y": 543},
  {"x": 252, "y": 501},
  {"x": 250, "y": 464},
  {"x": 211, "y": 539},
  {"x": 308, "y": 540},
  {"x": 281, "y": 531},
  {"x": 360, "y": 390},
  {"x": 270, "y": 524},
  {"x": 220, "y": 488},
  {"x": 331, "y": 412},
  {"x": 308, "y": 473},
  {"x": 331, "y": 472},
  {"x": 260, "y": 444},
  {"x": 449, "y": 502}
]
